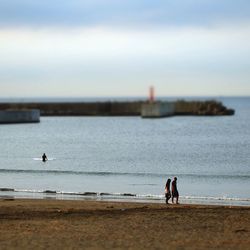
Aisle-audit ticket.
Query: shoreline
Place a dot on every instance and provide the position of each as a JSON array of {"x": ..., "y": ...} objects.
[
  {"x": 10, "y": 193},
  {"x": 64, "y": 224}
]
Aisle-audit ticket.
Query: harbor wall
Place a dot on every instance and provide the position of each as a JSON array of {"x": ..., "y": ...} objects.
[
  {"x": 157, "y": 109},
  {"x": 19, "y": 116},
  {"x": 80, "y": 108},
  {"x": 208, "y": 108},
  {"x": 133, "y": 108}
]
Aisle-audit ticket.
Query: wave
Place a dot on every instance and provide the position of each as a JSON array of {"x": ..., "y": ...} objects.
[
  {"x": 66, "y": 193},
  {"x": 124, "y": 195},
  {"x": 109, "y": 173}
]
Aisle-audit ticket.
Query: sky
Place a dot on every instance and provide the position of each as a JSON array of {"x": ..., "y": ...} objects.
[{"x": 100, "y": 48}]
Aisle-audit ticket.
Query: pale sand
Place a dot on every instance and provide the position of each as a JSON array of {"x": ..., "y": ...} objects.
[{"x": 55, "y": 224}]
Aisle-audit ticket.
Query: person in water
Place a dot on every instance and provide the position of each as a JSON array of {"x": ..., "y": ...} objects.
[
  {"x": 167, "y": 191},
  {"x": 175, "y": 193},
  {"x": 44, "y": 157}
]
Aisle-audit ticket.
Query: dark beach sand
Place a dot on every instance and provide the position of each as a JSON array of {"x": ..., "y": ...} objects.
[{"x": 55, "y": 224}]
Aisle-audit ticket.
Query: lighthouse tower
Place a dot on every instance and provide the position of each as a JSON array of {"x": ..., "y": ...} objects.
[
  {"x": 156, "y": 109},
  {"x": 151, "y": 94}
]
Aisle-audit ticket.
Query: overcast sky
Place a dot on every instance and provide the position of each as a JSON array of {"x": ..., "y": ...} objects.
[{"x": 61, "y": 48}]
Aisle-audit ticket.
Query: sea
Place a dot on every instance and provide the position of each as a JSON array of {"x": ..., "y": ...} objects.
[{"x": 129, "y": 158}]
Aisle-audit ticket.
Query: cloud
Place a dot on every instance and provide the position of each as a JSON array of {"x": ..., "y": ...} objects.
[
  {"x": 101, "y": 61},
  {"x": 129, "y": 13},
  {"x": 102, "y": 44},
  {"x": 93, "y": 46}
]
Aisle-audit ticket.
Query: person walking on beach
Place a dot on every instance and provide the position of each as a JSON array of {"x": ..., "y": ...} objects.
[
  {"x": 175, "y": 193},
  {"x": 167, "y": 190},
  {"x": 44, "y": 157}
]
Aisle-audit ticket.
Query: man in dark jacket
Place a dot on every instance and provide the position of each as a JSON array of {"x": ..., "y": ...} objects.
[{"x": 175, "y": 193}]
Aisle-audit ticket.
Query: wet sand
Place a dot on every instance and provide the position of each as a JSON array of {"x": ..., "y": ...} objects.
[{"x": 55, "y": 224}]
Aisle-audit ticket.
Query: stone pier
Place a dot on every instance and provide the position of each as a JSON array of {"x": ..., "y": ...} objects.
[
  {"x": 19, "y": 116},
  {"x": 157, "y": 109},
  {"x": 153, "y": 109}
]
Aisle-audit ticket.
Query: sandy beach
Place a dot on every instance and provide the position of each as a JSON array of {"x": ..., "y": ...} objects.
[{"x": 56, "y": 224}]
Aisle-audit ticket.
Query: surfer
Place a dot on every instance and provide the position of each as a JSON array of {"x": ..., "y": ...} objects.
[{"x": 44, "y": 157}]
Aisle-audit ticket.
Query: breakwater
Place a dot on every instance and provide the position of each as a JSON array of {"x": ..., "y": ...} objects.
[
  {"x": 19, "y": 116},
  {"x": 208, "y": 108},
  {"x": 133, "y": 108},
  {"x": 80, "y": 108}
]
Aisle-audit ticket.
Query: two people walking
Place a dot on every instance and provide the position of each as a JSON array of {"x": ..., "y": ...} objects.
[{"x": 174, "y": 191}]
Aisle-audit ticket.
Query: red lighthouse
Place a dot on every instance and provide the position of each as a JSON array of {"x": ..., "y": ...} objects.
[{"x": 151, "y": 94}]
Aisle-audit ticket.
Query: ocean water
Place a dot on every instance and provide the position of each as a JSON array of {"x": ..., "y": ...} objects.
[{"x": 130, "y": 158}]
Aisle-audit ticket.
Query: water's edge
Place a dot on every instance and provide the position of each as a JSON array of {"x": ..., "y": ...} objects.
[{"x": 9, "y": 193}]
